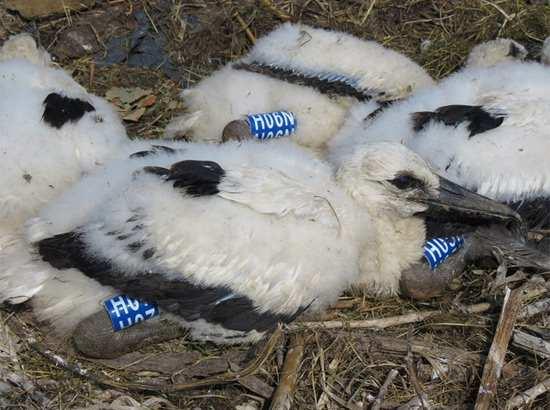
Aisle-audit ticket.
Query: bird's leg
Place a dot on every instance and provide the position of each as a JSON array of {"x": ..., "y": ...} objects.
[
  {"x": 419, "y": 282},
  {"x": 95, "y": 337}
]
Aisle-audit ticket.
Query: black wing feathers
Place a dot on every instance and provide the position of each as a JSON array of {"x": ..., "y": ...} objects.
[
  {"x": 155, "y": 149},
  {"x": 478, "y": 119},
  {"x": 68, "y": 250},
  {"x": 198, "y": 178},
  {"x": 333, "y": 87},
  {"x": 215, "y": 304},
  {"x": 59, "y": 109}
]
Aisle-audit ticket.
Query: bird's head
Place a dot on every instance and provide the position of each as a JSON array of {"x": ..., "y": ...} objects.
[
  {"x": 388, "y": 177},
  {"x": 496, "y": 51}
]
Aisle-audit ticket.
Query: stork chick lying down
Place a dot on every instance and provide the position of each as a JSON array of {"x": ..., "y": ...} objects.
[{"x": 231, "y": 239}]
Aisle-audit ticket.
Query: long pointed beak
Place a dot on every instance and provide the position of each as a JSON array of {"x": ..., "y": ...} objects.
[{"x": 455, "y": 202}]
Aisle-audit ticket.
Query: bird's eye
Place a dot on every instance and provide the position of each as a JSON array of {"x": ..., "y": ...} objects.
[{"x": 406, "y": 181}]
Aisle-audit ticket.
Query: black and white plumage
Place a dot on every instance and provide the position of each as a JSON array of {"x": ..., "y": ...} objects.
[
  {"x": 484, "y": 128},
  {"x": 317, "y": 74},
  {"x": 230, "y": 239},
  {"x": 51, "y": 133}
]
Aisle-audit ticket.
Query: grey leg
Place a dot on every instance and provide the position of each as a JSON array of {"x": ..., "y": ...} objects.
[
  {"x": 94, "y": 336},
  {"x": 419, "y": 282}
]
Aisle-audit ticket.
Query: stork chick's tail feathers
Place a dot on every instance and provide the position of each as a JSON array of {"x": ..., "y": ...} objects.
[
  {"x": 183, "y": 126},
  {"x": 20, "y": 277}
]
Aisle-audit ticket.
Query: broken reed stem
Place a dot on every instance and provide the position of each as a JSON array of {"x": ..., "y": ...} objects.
[
  {"x": 535, "y": 308},
  {"x": 383, "y": 323},
  {"x": 376, "y": 405},
  {"x": 528, "y": 396},
  {"x": 282, "y": 398},
  {"x": 532, "y": 344},
  {"x": 411, "y": 371},
  {"x": 281, "y": 15},
  {"x": 224, "y": 378},
  {"x": 499, "y": 347},
  {"x": 245, "y": 27}
]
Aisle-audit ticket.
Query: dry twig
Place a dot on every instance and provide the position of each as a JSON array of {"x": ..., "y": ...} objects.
[
  {"x": 535, "y": 308},
  {"x": 383, "y": 323},
  {"x": 411, "y": 371},
  {"x": 281, "y": 15},
  {"x": 499, "y": 347},
  {"x": 245, "y": 27},
  {"x": 282, "y": 398},
  {"x": 383, "y": 390},
  {"x": 532, "y": 344},
  {"x": 528, "y": 396}
]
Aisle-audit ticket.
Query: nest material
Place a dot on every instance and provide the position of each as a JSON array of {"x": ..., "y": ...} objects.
[{"x": 338, "y": 368}]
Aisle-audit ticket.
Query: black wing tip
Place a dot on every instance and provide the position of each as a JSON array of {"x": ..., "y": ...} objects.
[
  {"x": 155, "y": 149},
  {"x": 159, "y": 171},
  {"x": 59, "y": 249},
  {"x": 324, "y": 86},
  {"x": 479, "y": 120},
  {"x": 421, "y": 118},
  {"x": 60, "y": 109},
  {"x": 198, "y": 178}
]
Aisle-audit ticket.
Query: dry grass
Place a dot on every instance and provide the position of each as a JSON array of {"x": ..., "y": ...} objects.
[{"x": 340, "y": 369}]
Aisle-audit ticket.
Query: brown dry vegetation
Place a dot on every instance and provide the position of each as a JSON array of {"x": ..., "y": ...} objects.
[{"x": 339, "y": 368}]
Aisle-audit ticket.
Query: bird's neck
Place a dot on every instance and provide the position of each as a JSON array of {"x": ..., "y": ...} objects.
[{"x": 399, "y": 244}]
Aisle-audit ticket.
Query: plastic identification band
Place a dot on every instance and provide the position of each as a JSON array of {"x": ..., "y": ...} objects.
[
  {"x": 271, "y": 124},
  {"x": 125, "y": 311},
  {"x": 436, "y": 250}
]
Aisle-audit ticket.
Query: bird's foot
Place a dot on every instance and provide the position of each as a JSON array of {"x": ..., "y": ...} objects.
[
  {"x": 419, "y": 282},
  {"x": 237, "y": 130},
  {"x": 95, "y": 337}
]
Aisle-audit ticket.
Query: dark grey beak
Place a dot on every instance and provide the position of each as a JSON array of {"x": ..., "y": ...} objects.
[{"x": 457, "y": 203}]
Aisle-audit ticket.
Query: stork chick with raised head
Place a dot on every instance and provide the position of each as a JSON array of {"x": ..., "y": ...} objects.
[
  {"x": 315, "y": 74},
  {"x": 484, "y": 128},
  {"x": 51, "y": 132},
  {"x": 231, "y": 239}
]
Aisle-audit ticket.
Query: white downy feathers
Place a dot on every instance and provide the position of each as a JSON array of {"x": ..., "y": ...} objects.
[
  {"x": 507, "y": 163},
  {"x": 281, "y": 230},
  {"x": 338, "y": 58},
  {"x": 41, "y": 160}
]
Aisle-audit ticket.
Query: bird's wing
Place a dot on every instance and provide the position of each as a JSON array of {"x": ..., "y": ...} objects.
[
  {"x": 477, "y": 118},
  {"x": 182, "y": 236},
  {"x": 270, "y": 191},
  {"x": 191, "y": 301}
]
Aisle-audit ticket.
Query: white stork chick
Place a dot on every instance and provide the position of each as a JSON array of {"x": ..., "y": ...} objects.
[
  {"x": 231, "y": 239},
  {"x": 314, "y": 73},
  {"x": 484, "y": 128},
  {"x": 51, "y": 132},
  {"x": 494, "y": 52}
]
